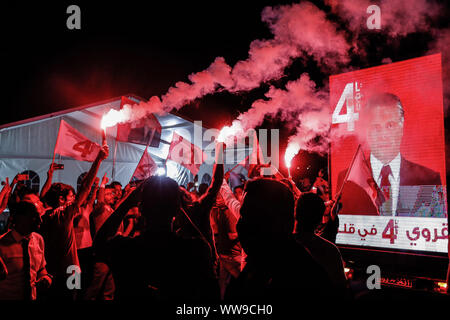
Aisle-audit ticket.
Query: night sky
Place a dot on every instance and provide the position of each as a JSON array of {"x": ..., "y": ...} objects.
[
  {"x": 122, "y": 47},
  {"x": 145, "y": 48}
]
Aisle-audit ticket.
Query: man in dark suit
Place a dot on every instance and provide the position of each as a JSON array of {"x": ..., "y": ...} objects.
[{"x": 409, "y": 189}]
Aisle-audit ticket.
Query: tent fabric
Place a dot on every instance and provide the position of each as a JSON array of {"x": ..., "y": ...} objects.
[
  {"x": 139, "y": 131},
  {"x": 29, "y": 145}
]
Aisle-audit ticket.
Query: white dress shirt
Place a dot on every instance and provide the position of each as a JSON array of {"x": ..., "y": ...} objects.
[
  {"x": 394, "y": 177},
  {"x": 11, "y": 251}
]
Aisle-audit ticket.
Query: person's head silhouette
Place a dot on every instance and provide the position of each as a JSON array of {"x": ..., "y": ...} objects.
[
  {"x": 267, "y": 214},
  {"x": 309, "y": 212},
  {"x": 160, "y": 202}
]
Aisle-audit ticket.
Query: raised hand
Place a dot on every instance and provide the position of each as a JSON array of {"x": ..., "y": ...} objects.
[
  {"x": 103, "y": 153},
  {"x": 227, "y": 176},
  {"x": 105, "y": 180}
]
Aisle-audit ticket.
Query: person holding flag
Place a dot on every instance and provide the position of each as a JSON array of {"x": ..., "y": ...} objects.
[
  {"x": 57, "y": 224},
  {"x": 71, "y": 143}
]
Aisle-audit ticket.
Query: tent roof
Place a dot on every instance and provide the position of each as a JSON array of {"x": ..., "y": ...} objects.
[
  {"x": 30, "y": 143},
  {"x": 63, "y": 112},
  {"x": 87, "y": 119},
  {"x": 80, "y": 108}
]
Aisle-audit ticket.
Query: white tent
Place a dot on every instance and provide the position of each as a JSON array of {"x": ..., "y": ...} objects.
[{"x": 28, "y": 146}]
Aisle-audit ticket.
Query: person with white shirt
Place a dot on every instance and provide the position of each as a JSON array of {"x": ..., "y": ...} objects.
[{"x": 22, "y": 253}]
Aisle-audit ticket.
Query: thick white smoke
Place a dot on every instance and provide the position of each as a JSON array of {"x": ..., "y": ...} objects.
[{"x": 299, "y": 31}]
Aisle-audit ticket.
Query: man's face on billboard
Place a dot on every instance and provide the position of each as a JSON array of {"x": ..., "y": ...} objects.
[{"x": 384, "y": 132}]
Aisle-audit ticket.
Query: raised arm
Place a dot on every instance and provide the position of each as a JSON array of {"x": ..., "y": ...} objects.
[
  {"x": 101, "y": 190},
  {"x": 110, "y": 226},
  {"x": 3, "y": 270},
  {"x": 4, "y": 190},
  {"x": 4, "y": 196},
  {"x": 218, "y": 174},
  {"x": 48, "y": 182},
  {"x": 92, "y": 196},
  {"x": 90, "y": 177},
  {"x": 230, "y": 200},
  {"x": 296, "y": 190}
]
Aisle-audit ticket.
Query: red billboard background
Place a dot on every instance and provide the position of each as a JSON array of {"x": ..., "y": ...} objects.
[{"x": 418, "y": 84}]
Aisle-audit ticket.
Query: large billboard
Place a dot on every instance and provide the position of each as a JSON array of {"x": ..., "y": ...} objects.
[{"x": 388, "y": 156}]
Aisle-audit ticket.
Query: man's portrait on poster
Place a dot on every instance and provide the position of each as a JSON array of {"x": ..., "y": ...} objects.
[{"x": 408, "y": 188}]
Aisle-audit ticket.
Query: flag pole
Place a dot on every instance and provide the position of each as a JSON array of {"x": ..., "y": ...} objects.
[
  {"x": 329, "y": 169},
  {"x": 150, "y": 139},
  {"x": 113, "y": 173},
  {"x": 56, "y": 143}
]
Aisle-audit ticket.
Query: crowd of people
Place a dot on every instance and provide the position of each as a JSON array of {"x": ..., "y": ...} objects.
[{"x": 153, "y": 240}]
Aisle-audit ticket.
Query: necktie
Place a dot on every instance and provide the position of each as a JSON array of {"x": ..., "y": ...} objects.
[
  {"x": 26, "y": 268},
  {"x": 385, "y": 186}
]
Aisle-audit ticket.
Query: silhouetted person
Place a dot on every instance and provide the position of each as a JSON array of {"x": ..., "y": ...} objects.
[
  {"x": 310, "y": 210},
  {"x": 158, "y": 264},
  {"x": 101, "y": 285},
  {"x": 198, "y": 225},
  {"x": 59, "y": 236},
  {"x": 223, "y": 223},
  {"x": 202, "y": 189},
  {"x": 58, "y": 229},
  {"x": 278, "y": 269},
  {"x": 329, "y": 227},
  {"x": 103, "y": 209}
]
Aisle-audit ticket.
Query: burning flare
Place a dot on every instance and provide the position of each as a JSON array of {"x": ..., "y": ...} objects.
[
  {"x": 228, "y": 132},
  {"x": 291, "y": 151},
  {"x": 113, "y": 117}
]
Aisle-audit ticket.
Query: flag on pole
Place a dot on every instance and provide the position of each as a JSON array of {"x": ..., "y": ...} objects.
[
  {"x": 185, "y": 153},
  {"x": 360, "y": 173},
  {"x": 145, "y": 168},
  {"x": 256, "y": 158},
  {"x": 139, "y": 131},
  {"x": 71, "y": 143}
]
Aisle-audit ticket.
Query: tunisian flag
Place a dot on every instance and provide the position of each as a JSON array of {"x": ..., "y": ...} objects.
[
  {"x": 140, "y": 131},
  {"x": 145, "y": 168},
  {"x": 185, "y": 153},
  {"x": 361, "y": 174},
  {"x": 71, "y": 143}
]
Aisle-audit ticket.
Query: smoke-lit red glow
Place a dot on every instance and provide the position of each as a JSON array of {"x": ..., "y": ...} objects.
[
  {"x": 298, "y": 30},
  {"x": 291, "y": 151},
  {"x": 229, "y": 131},
  {"x": 113, "y": 117}
]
